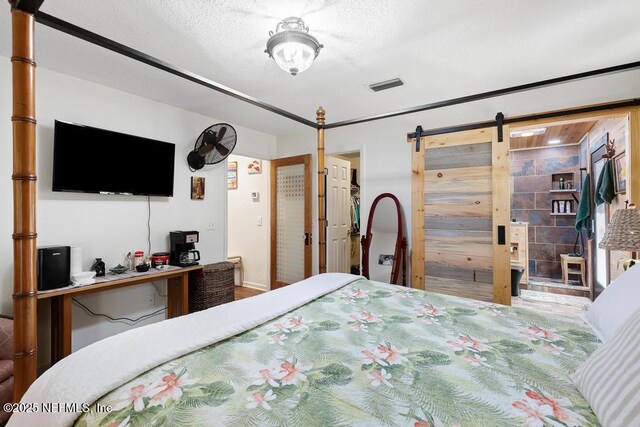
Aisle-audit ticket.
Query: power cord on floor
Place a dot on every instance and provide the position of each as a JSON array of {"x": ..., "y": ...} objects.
[{"x": 120, "y": 319}]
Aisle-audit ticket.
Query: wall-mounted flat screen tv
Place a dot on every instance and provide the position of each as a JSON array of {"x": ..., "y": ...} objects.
[{"x": 92, "y": 160}]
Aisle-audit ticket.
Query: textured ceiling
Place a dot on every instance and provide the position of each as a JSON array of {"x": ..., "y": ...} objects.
[{"x": 440, "y": 49}]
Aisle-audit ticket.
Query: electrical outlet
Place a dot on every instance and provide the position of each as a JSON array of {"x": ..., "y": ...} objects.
[{"x": 211, "y": 226}]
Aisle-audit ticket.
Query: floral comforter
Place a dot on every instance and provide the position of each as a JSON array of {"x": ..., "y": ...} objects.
[{"x": 371, "y": 354}]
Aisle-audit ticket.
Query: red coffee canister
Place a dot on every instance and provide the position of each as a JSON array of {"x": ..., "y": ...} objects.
[{"x": 159, "y": 258}]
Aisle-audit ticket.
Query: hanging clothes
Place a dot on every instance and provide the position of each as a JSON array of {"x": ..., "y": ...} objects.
[
  {"x": 355, "y": 213},
  {"x": 355, "y": 202},
  {"x": 355, "y": 226},
  {"x": 605, "y": 192},
  {"x": 583, "y": 217}
]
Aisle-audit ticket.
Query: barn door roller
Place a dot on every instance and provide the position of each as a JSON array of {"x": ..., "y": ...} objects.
[{"x": 417, "y": 135}]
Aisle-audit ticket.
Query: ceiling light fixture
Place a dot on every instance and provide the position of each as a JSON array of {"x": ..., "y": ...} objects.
[
  {"x": 554, "y": 141},
  {"x": 527, "y": 132},
  {"x": 291, "y": 46}
]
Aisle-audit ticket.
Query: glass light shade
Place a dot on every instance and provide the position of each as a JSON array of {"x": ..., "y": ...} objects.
[
  {"x": 292, "y": 47},
  {"x": 293, "y": 57}
]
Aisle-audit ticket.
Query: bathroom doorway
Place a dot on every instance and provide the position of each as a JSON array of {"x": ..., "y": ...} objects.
[{"x": 551, "y": 163}]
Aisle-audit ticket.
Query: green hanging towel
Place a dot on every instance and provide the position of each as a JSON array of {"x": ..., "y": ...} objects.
[
  {"x": 583, "y": 217},
  {"x": 604, "y": 188}
]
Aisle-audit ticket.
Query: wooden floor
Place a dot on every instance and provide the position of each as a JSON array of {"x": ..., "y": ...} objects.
[{"x": 242, "y": 292}]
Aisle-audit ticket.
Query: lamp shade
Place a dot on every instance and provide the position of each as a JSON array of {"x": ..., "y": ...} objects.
[
  {"x": 623, "y": 232},
  {"x": 292, "y": 47}
]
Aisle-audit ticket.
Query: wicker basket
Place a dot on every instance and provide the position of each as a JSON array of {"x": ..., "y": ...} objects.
[{"x": 212, "y": 286}]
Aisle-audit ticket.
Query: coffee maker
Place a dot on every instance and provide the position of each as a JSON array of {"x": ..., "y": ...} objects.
[{"x": 183, "y": 253}]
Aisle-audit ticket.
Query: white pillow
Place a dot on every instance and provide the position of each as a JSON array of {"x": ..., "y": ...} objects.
[
  {"x": 609, "y": 378},
  {"x": 617, "y": 303}
]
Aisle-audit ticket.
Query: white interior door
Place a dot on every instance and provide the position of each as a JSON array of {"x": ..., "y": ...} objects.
[{"x": 338, "y": 215}]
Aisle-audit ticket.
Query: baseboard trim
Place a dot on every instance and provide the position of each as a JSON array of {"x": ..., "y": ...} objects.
[{"x": 256, "y": 286}]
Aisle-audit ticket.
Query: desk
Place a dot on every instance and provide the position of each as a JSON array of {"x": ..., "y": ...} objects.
[{"x": 61, "y": 300}]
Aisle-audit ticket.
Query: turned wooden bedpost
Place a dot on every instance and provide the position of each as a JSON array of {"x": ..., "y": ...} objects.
[
  {"x": 322, "y": 221},
  {"x": 24, "y": 200}
]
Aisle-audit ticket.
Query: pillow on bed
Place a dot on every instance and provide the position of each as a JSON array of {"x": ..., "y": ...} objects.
[
  {"x": 616, "y": 304},
  {"x": 609, "y": 379}
]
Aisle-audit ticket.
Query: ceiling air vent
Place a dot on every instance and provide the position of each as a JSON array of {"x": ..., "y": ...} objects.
[{"x": 377, "y": 87}]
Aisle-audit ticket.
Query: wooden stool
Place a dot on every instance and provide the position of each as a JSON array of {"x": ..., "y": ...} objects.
[
  {"x": 566, "y": 271},
  {"x": 237, "y": 261}
]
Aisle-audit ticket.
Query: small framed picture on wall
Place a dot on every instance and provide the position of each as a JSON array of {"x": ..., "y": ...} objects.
[
  {"x": 232, "y": 175},
  {"x": 197, "y": 187},
  {"x": 254, "y": 167},
  {"x": 620, "y": 173}
]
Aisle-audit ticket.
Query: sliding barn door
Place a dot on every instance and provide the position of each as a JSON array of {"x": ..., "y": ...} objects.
[{"x": 461, "y": 215}]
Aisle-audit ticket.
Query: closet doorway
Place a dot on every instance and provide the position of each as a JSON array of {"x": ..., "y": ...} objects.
[{"x": 343, "y": 213}]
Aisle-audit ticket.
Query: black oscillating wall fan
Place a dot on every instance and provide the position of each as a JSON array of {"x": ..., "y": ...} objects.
[{"x": 213, "y": 145}]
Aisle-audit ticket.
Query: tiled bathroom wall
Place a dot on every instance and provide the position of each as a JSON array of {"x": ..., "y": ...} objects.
[{"x": 549, "y": 236}]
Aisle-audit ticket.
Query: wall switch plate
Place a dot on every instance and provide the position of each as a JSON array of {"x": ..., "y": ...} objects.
[{"x": 259, "y": 221}]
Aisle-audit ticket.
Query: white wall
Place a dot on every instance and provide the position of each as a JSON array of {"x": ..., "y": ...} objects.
[
  {"x": 111, "y": 226},
  {"x": 247, "y": 238},
  {"x": 385, "y": 155}
]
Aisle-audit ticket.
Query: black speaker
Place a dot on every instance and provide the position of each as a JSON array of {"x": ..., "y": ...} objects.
[{"x": 54, "y": 265}]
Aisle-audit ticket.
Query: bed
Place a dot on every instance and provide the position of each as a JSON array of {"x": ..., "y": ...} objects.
[{"x": 334, "y": 349}]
